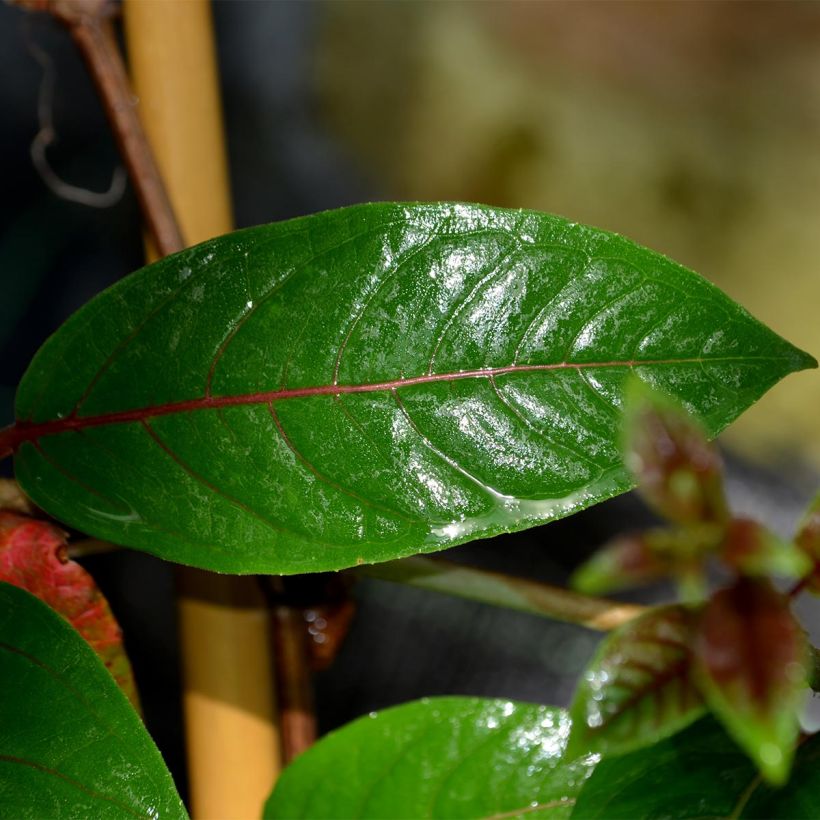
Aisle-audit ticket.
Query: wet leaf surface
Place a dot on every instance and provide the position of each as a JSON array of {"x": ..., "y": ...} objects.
[
  {"x": 369, "y": 383},
  {"x": 436, "y": 758},
  {"x": 638, "y": 687},
  {"x": 71, "y": 745}
]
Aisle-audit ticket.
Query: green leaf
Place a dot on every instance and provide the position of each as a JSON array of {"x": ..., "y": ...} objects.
[
  {"x": 71, "y": 745},
  {"x": 369, "y": 383},
  {"x": 750, "y": 661},
  {"x": 638, "y": 687},
  {"x": 642, "y": 557},
  {"x": 698, "y": 773},
  {"x": 753, "y": 550},
  {"x": 439, "y": 757}
]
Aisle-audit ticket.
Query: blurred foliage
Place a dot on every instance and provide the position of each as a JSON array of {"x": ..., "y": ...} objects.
[{"x": 692, "y": 128}]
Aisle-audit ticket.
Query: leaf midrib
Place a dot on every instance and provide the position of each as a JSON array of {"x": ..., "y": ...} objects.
[{"x": 28, "y": 431}]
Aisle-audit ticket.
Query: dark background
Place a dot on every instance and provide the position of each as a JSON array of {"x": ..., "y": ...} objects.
[{"x": 298, "y": 80}]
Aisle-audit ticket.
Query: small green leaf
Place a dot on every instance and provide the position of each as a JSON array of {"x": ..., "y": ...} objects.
[
  {"x": 628, "y": 561},
  {"x": 698, "y": 773},
  {"x": 642, "y": 557},
  {"x": 443, "y": 758},
  {"x": 751, "y": 665},
  {"x": 678, "y": 471},
  {"x": 370, "y": 383},
  {"x": 753, "y": 550},
  {"x": 638, "y": 687},
  {"x": 71, "y": 745}
]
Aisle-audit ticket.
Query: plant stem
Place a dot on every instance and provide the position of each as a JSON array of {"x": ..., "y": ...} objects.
[
  {"x": 505, "y": 591},
  {"x": 87, "y": 22},
  {"x": 294, "y": 687}
]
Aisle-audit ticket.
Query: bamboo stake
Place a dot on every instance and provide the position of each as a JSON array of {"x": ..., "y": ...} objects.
[{"x": 232, "y": 735}]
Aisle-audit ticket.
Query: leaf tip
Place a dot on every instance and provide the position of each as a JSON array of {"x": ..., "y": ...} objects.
[{"x": 800, "y": 360}]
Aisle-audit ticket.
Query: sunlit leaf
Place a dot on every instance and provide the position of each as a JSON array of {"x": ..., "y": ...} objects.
[
  {"x": 638, "y": 687},
  {"x": 71, "y": 745},
  {"x": 369, "y": 383},
  {"x": 443, "y": 758},
  {"x": 751, "y": 665},
  {"x": 678, "y": 471},
  {"x": 698, "y": 773},
  {"x": 34, "y": 556}
]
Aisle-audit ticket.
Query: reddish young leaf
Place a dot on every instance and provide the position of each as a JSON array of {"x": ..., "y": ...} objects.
[
  {"x": 642, "y": 557},
  {"x": 678, "y": 471},
  {"x": 638, "y": 688},
  {"x": 751, "y": 666},
  {"x": 625, "y": 562},
  {"x": 34, "y": 556}
]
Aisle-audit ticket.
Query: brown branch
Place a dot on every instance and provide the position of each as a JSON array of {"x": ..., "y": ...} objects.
[
  {"x": 88, "y": 23},
  {"x": 294, "y": 683}
]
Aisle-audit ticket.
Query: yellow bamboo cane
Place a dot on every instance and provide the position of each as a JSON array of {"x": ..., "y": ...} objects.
[{"x": 231, "y": 731}]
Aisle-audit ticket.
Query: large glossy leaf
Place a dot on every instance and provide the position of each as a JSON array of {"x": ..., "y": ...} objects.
[
  {"x": 70, "y": 744},
  {"x": 440, "y": 757},
  {"x": 701, "y": 774},
  {"x": 369, "y": 383}
]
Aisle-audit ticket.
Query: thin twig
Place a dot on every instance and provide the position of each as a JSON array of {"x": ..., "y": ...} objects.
[
  {"x": 507, "y": 591},
  {"x": 87, "y": 22},
  {"x": 90, "y": 546}
]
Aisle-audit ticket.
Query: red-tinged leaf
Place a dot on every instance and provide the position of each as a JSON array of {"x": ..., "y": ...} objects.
[
  {"x": 678, "y": 471},
  {"x": 642, "y": 557},
  {"x": 751, "y": 666},
  {"x": 808, "y": 541},
  {"x": 638, "y": 688},
  {"x": 34, "y": 556},
  {"x": 753, "y": 550},
  {"x": 625, "y": 562}
]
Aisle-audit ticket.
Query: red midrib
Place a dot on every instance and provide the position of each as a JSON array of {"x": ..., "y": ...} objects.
[{"x": 12, "y": 437}]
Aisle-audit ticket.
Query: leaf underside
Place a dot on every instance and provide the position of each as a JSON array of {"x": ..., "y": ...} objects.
[
  {"x": 369, "y": 383},
  {"x": 70, "y": 743},
  {"x": 436, "y": 758}
]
